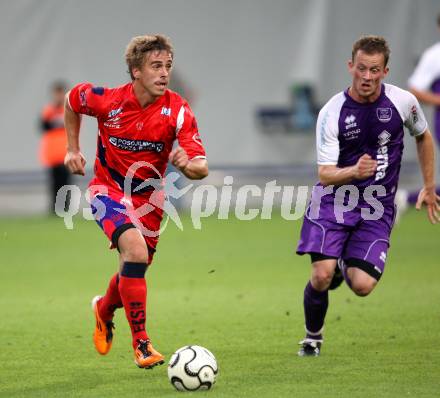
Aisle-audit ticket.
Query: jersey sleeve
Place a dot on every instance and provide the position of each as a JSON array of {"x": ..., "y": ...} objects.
[
  {"x": 327, "y": 142},
  {"x": 87, "y": 99},
  {"x": 426, "y": 71},
  {"x": 415, "y": 119},
  {"x": 187, "y": 133}
]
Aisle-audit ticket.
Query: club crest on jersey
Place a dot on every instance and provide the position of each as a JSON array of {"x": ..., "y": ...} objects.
[
  {"x": 384, "y": 114},
  {"x": 165, "y": 111}
]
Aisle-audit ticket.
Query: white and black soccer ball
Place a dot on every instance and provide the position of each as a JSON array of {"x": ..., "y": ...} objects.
[{"x": 192, "y": 368}]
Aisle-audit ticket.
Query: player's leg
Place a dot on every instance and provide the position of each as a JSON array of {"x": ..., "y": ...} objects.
[
  {"x": 316, "y": 303},
  {"x": 104, "y": 308},
  {"x": 105, "y": 209},
  {"x": 132, "y": 284},
  {"x": 133, "y": 291},
  {"x": 362, "y": 276},
  {"x": 111, "y": 301},
  {"x": 362, "y": 282},
  {"x": 366, "y": 252},
  {"x": 324, "y": 239}
]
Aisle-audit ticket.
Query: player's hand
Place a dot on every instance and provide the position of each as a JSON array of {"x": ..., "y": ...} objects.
[
  {"x": 179, "y": 158},
  {"x": 365, "y": 167},
  {"x": 75, "y": 162},
  {"x": 429, "y": 197}
]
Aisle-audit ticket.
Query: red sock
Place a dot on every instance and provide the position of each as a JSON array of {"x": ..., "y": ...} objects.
[
  {"x": 133, "y": 291},
  {"x": 111, "y": 301}
]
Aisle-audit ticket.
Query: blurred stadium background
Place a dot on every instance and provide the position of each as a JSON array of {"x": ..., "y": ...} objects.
[
  {"x": 239, "y": 59},
  {"x": 256, "y": 71}
]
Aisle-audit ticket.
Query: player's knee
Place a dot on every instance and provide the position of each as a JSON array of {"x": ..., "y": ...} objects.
[
  {"x": 363, "y": 288},
  {"x": 132, "y": 246},
  {"x": 321, "y": 279},
  {"x": 136, "y": 253}
]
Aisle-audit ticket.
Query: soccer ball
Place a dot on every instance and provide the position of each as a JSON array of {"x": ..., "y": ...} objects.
[{"x": 192, "y": 368}]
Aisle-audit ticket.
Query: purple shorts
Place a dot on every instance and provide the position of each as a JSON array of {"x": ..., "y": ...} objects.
[{"x": 353, "y": 238}]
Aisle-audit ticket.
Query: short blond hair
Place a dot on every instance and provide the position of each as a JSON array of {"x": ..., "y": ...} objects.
[
  {"x": 141, "y": 45},
  {"x": 372, "y": 45}
]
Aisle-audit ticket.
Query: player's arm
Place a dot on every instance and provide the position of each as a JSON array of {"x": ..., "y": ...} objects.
[
  {"x": 422, "y": 78},
  {"x": 194, "y": 169},
  {"x": 74, "y": 159},
  {"x": 427, "y": 97},
  {"x": 427, "y": 196},
  {"x": 333, "y": 175},
  {"x": 327, "y": 144},
  {"x": 417, "y": 125},
  {"x": 189, "y": 157}
]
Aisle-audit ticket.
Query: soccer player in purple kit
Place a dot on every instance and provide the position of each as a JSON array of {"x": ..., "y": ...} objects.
[
  {"x": 424, "y": 83},
  {"x": 359, "y": 144}
]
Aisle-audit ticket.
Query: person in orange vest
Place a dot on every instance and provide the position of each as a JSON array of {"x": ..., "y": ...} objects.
[{"x": 53, "y": 144}]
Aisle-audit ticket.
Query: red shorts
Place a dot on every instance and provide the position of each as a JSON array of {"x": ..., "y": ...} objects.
[{"x": 115, "y": 213}]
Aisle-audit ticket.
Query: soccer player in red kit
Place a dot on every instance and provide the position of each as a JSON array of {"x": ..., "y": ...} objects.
[{"x": 138, "y": 123}]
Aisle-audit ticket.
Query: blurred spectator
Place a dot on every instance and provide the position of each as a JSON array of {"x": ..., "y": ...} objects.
[{"x": 54, "y": 142}]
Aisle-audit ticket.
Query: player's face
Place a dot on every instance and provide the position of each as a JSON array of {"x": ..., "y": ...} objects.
[
  {"x": 154, "y": 75},
  {"x": 368, "y": 71}
]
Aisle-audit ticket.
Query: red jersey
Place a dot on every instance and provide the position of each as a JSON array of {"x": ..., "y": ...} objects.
[{"x": 129, "y": 133}]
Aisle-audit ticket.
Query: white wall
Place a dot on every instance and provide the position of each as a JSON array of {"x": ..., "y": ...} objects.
[{"x": 236, "y": 55}]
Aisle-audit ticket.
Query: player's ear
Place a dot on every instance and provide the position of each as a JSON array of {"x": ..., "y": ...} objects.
[
  {"x": 136, "y": 73},
  {"x": 385, "y": 71}
]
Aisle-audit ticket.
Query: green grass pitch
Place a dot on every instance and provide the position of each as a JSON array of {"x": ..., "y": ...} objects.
[{"x": 234, "y": 287}]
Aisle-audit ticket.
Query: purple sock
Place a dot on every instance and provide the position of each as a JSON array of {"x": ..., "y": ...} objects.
[{"x": 315, "y": 308}]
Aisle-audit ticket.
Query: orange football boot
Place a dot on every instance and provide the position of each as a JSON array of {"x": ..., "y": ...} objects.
[
  {"x": 145, "y": 356},
  {"x": 103, "y": 334}
]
